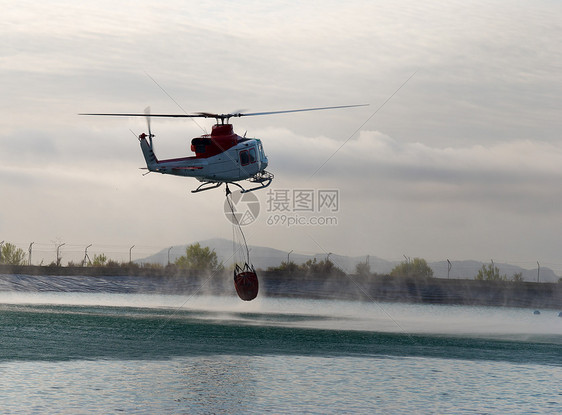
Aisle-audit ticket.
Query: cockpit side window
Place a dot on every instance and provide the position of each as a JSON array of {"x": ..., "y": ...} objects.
[
  {"x": 244, "y": 157},
  {"x": 252, "y": 154}
]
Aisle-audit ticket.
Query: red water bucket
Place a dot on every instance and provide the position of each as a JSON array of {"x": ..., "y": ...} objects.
[{"x": 246, "y": 283}]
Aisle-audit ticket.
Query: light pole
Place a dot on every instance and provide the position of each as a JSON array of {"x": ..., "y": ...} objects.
[
  {"x": 449, "y": 266},
  {"x": 130, "y": 253},
  {"x": 59, "y": 259},
  {"x": 289, "y": 257},
  {"x": 86, "y": 256},
  {"x": 538, "y": 271},
  {"x": 169, "y": 249},
  {"x": 29, "y": 252}
]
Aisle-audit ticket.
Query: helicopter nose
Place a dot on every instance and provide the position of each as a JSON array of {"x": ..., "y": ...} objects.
[{"x": 262, "y": 159}]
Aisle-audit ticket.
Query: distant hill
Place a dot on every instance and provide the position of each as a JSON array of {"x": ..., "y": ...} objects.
[{"x": 263, "y": 257}]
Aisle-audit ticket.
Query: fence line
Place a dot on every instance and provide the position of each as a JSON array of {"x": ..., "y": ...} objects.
[{"x": 46, "y": 253}]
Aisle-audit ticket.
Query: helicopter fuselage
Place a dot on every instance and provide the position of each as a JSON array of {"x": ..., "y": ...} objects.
[{"x": 220, "y": 157}]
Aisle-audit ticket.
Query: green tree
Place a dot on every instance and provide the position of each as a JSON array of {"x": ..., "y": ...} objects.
[
  {"x": 99, "y": 260},
  {"x": 490, "y": 273},
  {"x": 324, "y": 267},
  {"x": 285, "y": 267},
  {"x": 517, "y": 277},
  {"x": 12, "y": 255},
  {"x": 363, "y": 269},
  {"x": 416, "y": 268},
  {"x": 197, "y": 258}
]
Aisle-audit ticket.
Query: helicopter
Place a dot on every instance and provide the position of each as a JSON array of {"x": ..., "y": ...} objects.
[{"x": 220, "y": 157}]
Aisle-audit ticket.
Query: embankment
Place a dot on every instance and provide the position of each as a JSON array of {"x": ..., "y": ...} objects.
[{"x": 277, "y": 284}]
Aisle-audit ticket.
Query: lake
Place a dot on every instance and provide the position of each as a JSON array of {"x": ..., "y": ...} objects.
[{"x": 99, "y": 352}]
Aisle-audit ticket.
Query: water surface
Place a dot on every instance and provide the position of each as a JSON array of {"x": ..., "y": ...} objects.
[{"x": 94, "y": 352}]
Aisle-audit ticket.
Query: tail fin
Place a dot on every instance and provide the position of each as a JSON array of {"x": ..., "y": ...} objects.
[{"x": 149, "y": 156}]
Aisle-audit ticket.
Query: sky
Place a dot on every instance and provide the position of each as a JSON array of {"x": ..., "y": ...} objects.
[{"x": 458, "y": 156}]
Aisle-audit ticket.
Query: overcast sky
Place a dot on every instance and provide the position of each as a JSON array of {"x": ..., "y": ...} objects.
[{"x": 463, "y": 162}]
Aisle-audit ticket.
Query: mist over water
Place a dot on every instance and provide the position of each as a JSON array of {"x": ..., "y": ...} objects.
[{"x": 322, "y": 314}]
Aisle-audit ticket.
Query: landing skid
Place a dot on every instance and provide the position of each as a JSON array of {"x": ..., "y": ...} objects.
[
  {"x": 207, "y": 186},
  {"x": 264, "y": 179}
]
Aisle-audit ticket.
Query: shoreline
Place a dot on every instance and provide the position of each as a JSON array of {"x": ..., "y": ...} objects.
[{"x": 279, "y": 284}]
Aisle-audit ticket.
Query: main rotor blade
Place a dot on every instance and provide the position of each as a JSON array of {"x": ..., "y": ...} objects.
[
  {"x": 222, "y": 116},
  {"x": 299, "y": 110},
  {"x": 153, "y": 115}
]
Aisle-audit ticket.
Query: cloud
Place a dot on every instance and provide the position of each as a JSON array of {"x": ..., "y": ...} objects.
[{"x": 521, "y": 175}]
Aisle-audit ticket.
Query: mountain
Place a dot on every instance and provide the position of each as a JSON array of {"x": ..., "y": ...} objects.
[{"x": 263, "y": 257}]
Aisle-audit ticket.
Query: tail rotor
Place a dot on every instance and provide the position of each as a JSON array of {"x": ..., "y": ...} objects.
[{"x": 147, "y": 116}]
